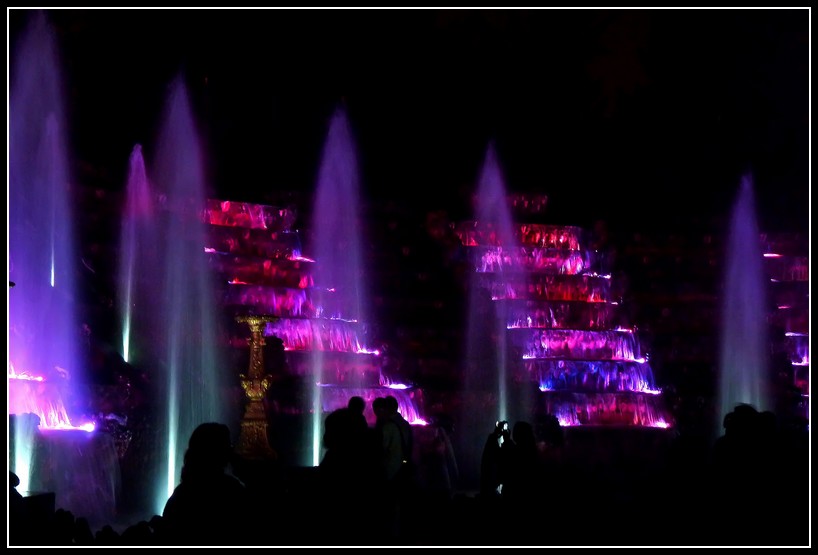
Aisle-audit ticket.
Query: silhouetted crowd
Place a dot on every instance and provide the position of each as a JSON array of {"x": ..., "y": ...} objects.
[{"x": 394, "y": 484}]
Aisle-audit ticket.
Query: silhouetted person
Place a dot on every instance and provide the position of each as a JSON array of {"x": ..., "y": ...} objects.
[
  {"x": 493, "y": 461},
  {"x": 107, "y": 536},
  {"x": 520, "y": 480},
  {"x": 346, "y": 472},
  {"x": 346, "y": 438},
  {"x": 82, "y": 532},
  {"x": 357, "y": 406},
  {"x": 344, "y": 421},
  {"x": 19, "y": 520},
  {"x": 209, "y": 506},
  {"x": 742, "y": 476},
  {"x": 405, "y": 478},
  {"x": 63, "y": 530},
  {"x": 336, "y": 433},
  {"x": 362, "y": 439},
  {"x": 397, "y": 464},
  {"x": 139, "y": 534},
  {"x": 738, "y": 448}
]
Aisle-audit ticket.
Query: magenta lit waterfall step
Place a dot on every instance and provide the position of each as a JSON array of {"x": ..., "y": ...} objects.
[
  {"x": 321, "y": 334},
  {"x": 253, "y": 242},
  {"x": 549, "y": 287},
  {"x": 263, "y": 271},
  {"x": 282, "y": 302},
  {"x": 493, "y": 259},
  {"x": 477, "y": 233},
  {"x": 618, "y": 344},
  {"x": 606, "y": 409},
  {"x": 248, "y": 215},
  {"x": 522, "y": 313}
]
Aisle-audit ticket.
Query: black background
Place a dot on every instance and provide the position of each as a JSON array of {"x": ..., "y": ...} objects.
[{"x": 621, "y": 115}]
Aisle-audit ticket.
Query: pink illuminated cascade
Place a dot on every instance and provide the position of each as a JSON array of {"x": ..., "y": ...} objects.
[
  {"x": 258, "y": 254},
  {"x": 563, "y": 320}
]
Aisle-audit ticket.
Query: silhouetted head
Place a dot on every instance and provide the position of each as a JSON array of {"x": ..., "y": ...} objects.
[
  {"x": 356, "y": 404},
  {"x": 209, "y": 449},
  {"x": 379, "y": 407},
  {"x": 391, "y": 403},
  {"x": 742, "y": 421}
]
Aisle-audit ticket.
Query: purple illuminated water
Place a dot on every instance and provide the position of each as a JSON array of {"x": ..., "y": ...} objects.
[
  {"x": 138, "y": 244},
  {"x": 743, "y": 364},
  {"x": 335, "y": 244},
  {"x": 47, "y": 373},
  {"x": 486, "y": 377},
  {"x": 336, "y": 227},
  {"x": 486, "y": 342},
  {"x": 546, "y": 335},
  {"x": 325, "y": 357},
  {"x": 43, "y": 328}
]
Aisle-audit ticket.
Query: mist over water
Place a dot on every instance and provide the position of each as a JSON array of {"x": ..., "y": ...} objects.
[{"x": 743, "y": 363}]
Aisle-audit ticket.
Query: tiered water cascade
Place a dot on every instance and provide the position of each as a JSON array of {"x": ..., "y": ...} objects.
[
  {"x": 318, "y": 302},
  {"x": 563, "y": 329},
  {"x": 563, "y": 320}
]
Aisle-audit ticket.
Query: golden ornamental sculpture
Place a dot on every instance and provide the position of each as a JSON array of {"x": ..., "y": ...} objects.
[{"x": 253, "y": 442}]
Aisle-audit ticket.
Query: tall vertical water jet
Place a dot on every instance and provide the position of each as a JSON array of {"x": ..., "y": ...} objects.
[
  {"x": 43, "y": 331},
  {"x": 137, "y": 248},
  {"x": 336, "y": 245},
  {"x": 486, "y": 372},
  {"x": 743, "y": 363},
  {"x": 188, "y": 358},
  {"x": 493, "y": 216}
]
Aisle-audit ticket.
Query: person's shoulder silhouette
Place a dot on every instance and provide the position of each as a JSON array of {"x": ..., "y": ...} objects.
[{"x": 204, "y": 508}]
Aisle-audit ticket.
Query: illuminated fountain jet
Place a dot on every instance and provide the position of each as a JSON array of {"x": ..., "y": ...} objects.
[{"x": 46, "y": 374}]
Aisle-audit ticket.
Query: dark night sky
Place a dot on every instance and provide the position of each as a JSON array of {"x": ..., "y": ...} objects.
[{"x": 615, "y": 114}]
